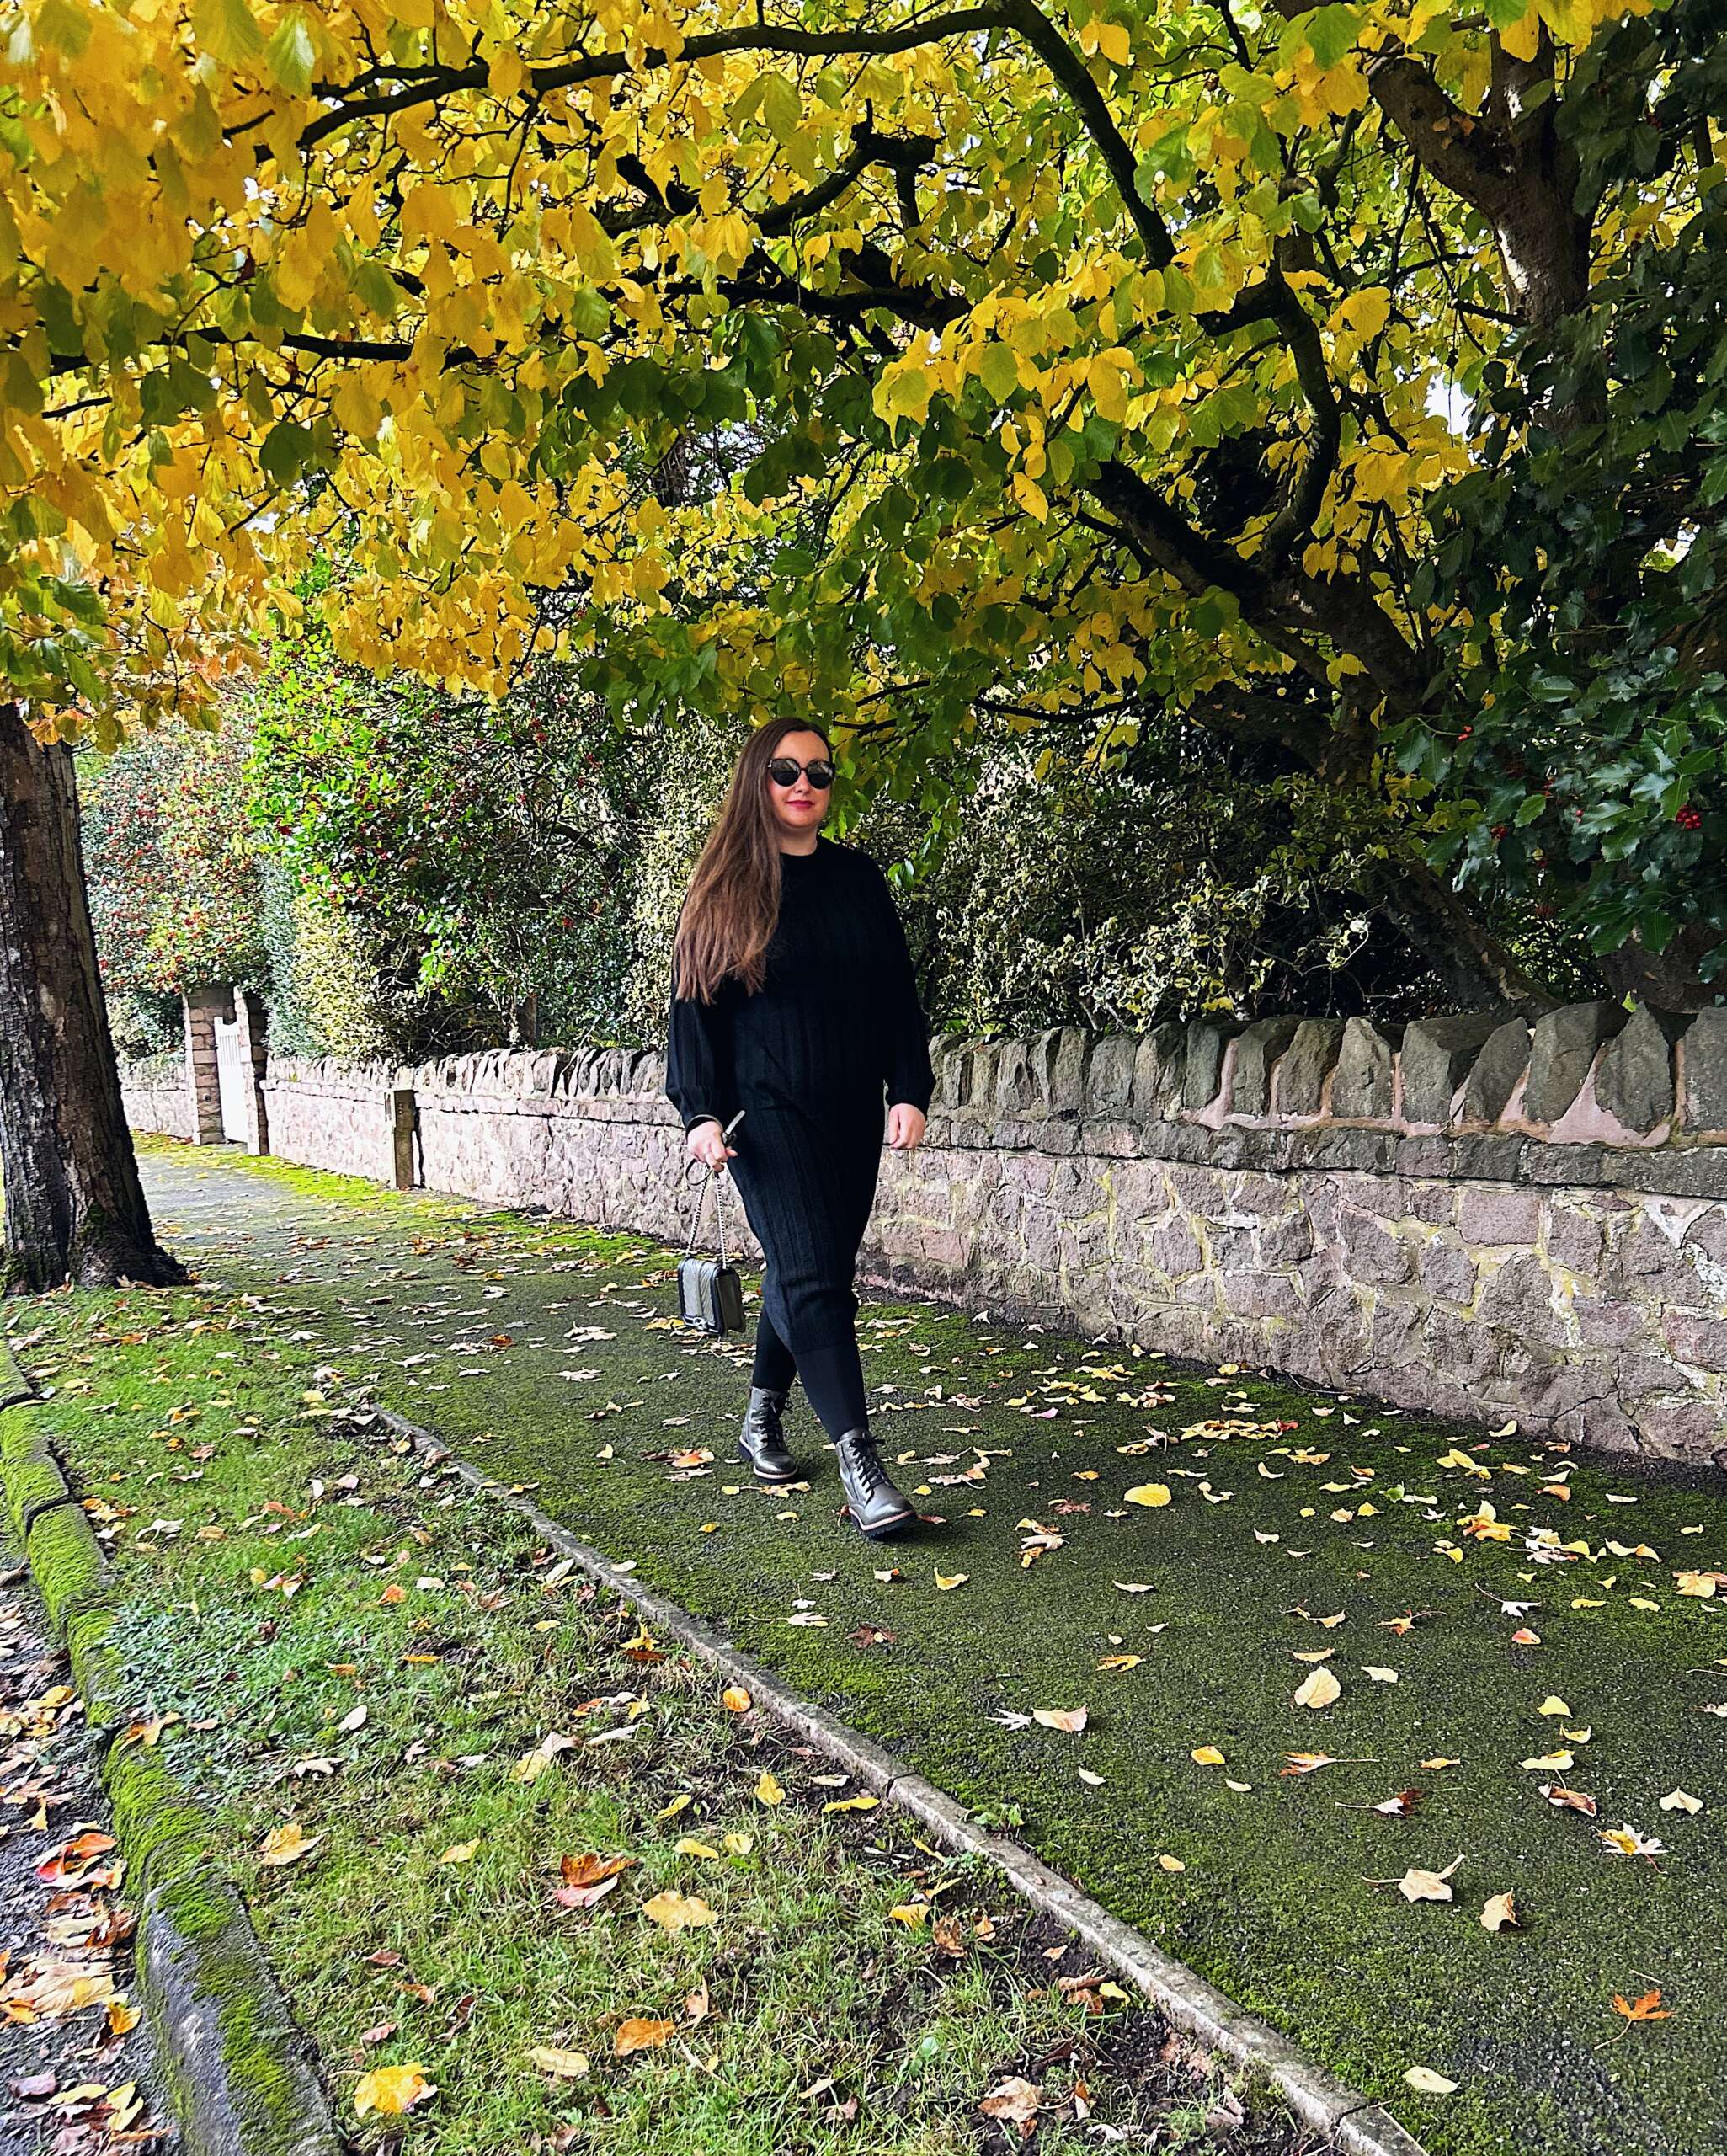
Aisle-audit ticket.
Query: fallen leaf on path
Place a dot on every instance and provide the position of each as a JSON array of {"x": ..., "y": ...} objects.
[
  {"x": 1320, "y": 1690},
  {"x": 1152, "y": 1494},
  {"x": 1428, "y": 2082},
  {"x": 1070, "y": 1719}
]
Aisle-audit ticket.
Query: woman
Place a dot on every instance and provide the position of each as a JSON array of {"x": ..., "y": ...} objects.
[{"x": 793, "y": 999}]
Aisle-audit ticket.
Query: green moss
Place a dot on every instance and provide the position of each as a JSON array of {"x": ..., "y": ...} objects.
[
  {"x": 163, "y": 1833},
  {"x": 66, "y": 1563}
]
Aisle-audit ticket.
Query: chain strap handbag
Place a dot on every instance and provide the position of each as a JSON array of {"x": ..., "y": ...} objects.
[{"x": 710, "y": 1290}]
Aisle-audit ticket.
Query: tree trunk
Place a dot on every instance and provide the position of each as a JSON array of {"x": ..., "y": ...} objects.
[
  {"x": 1478, "y": 974},
  {"x": 75, "y": 1207}
]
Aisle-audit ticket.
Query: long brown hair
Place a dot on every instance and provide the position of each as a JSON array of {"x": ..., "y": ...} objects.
[{"x": 733, "y": 897}]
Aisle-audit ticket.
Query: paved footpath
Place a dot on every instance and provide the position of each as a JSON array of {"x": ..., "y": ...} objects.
[{"x": 1300, "y": 1686}]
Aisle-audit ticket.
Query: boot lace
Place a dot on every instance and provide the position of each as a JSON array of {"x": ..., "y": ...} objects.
[{"x": 868, "y": 1464}]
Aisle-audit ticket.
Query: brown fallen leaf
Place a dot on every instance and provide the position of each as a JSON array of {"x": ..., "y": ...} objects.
[
  {"x": 1306, "y": 1762},
  {"x": 1500, "y": 1913},
  {"x": 1649, "y": 2008},
  {"x": 639, "y": 2034},
  {"x": 1015, "y": 2103}
]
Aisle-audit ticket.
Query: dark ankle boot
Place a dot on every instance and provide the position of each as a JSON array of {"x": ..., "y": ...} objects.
[
  {"x": 878, "y": 1508},
  {"x": 762, "y": 1442}
]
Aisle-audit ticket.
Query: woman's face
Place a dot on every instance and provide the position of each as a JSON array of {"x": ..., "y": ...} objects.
[{"x": 798, "y": 808}]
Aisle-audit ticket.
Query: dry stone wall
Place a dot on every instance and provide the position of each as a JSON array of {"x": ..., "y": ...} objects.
[
  {"x": 1475, "y": 1214},
  {"x": 157, "y": 1097}
]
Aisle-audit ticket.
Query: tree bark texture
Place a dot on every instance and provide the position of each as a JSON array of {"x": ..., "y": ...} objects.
[{"x": 75, "y": 1208}]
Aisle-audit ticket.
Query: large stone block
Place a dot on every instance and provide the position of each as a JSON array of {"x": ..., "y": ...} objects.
[
  {"x": 1362, "y": 1088},
  {"x": 1299, "y": 1087},
  {"x": 1497, "y": 1071},
  {"x": 1634, "y": 1081},
  {"x": 1256, "y": 1054},
  {"x": 1157, "y": 1071},
  {"x": 1109, "y": 1080},
  {"x": 1704, "y": 1054},
  {"x": 1437, "y": 1054},
  {"x": 1068, "y": 1072},
  {"x": 1202, "y": 1071},
  {"x": 1566, "y": 1042}
]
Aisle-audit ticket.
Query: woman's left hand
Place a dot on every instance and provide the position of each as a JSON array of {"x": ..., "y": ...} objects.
[{"x": 905, "y": 1126}]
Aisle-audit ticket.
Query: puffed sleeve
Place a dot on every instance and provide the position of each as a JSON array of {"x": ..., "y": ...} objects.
[
  {"x": 698, "y": 1064},
  {"x": 907, "y": 1068}
]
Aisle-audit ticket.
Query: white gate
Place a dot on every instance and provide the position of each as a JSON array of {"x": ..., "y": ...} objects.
[{"x": 234, "y": 1077}]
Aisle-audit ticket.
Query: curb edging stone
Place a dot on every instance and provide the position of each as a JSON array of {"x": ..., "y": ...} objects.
[
  {"x": 242, "y": 2083},
  {"x": 1357, "y": 2125}
]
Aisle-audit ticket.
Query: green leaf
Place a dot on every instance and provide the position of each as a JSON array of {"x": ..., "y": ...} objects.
[
  {"x": 291, "y": 56},
  {"x": 1330, "y": 33}
]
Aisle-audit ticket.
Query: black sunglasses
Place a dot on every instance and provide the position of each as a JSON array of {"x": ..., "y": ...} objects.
[{"x": 784, "y": 771}]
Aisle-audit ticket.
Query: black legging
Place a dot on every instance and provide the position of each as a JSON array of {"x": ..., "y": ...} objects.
[{"x": 807, "y": 1187}]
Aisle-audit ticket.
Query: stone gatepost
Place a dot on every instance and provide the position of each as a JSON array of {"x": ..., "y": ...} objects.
[
  {"x": 201, "y": 1007},
  {"x": 402, "y": 1116},
  {"x": 249, "y": 1011}
]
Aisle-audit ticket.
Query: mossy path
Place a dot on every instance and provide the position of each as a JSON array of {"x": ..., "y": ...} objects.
[{"x": 1489, "y": 1603}]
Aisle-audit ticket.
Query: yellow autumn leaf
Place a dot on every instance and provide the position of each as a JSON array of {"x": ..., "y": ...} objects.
[
  {"x": 735, "y": 1699},
  {"x": 566, "y": 2065},
  {"x": 1152, "y": 1494},
  {"x": 1207, "y": 1755},
  {"x": 948, "y": 1581},
  {"x": 390, "y": 2090},
  {"x": 911, "y": 1914},
  {"x": 460, "y": 1853},
  {"x": 287, "y": 1844},
  {"x": 1318, "y": 1690},
  {"x": 676, "y": 1912},
  {"x": 768, "y": 1788}
]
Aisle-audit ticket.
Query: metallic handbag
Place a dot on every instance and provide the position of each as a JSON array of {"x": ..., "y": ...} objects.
[{"x": 710, "y": 1291}]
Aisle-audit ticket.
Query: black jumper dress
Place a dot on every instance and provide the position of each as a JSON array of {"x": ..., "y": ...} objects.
[{"x": 834, "y": 1036}]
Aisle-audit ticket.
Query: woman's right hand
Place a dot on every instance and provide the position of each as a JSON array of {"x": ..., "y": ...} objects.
[{"x": 707, "y": 1144}]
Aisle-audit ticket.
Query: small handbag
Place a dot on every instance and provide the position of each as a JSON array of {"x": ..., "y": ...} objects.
[{"x": 710, "y": 1290}]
